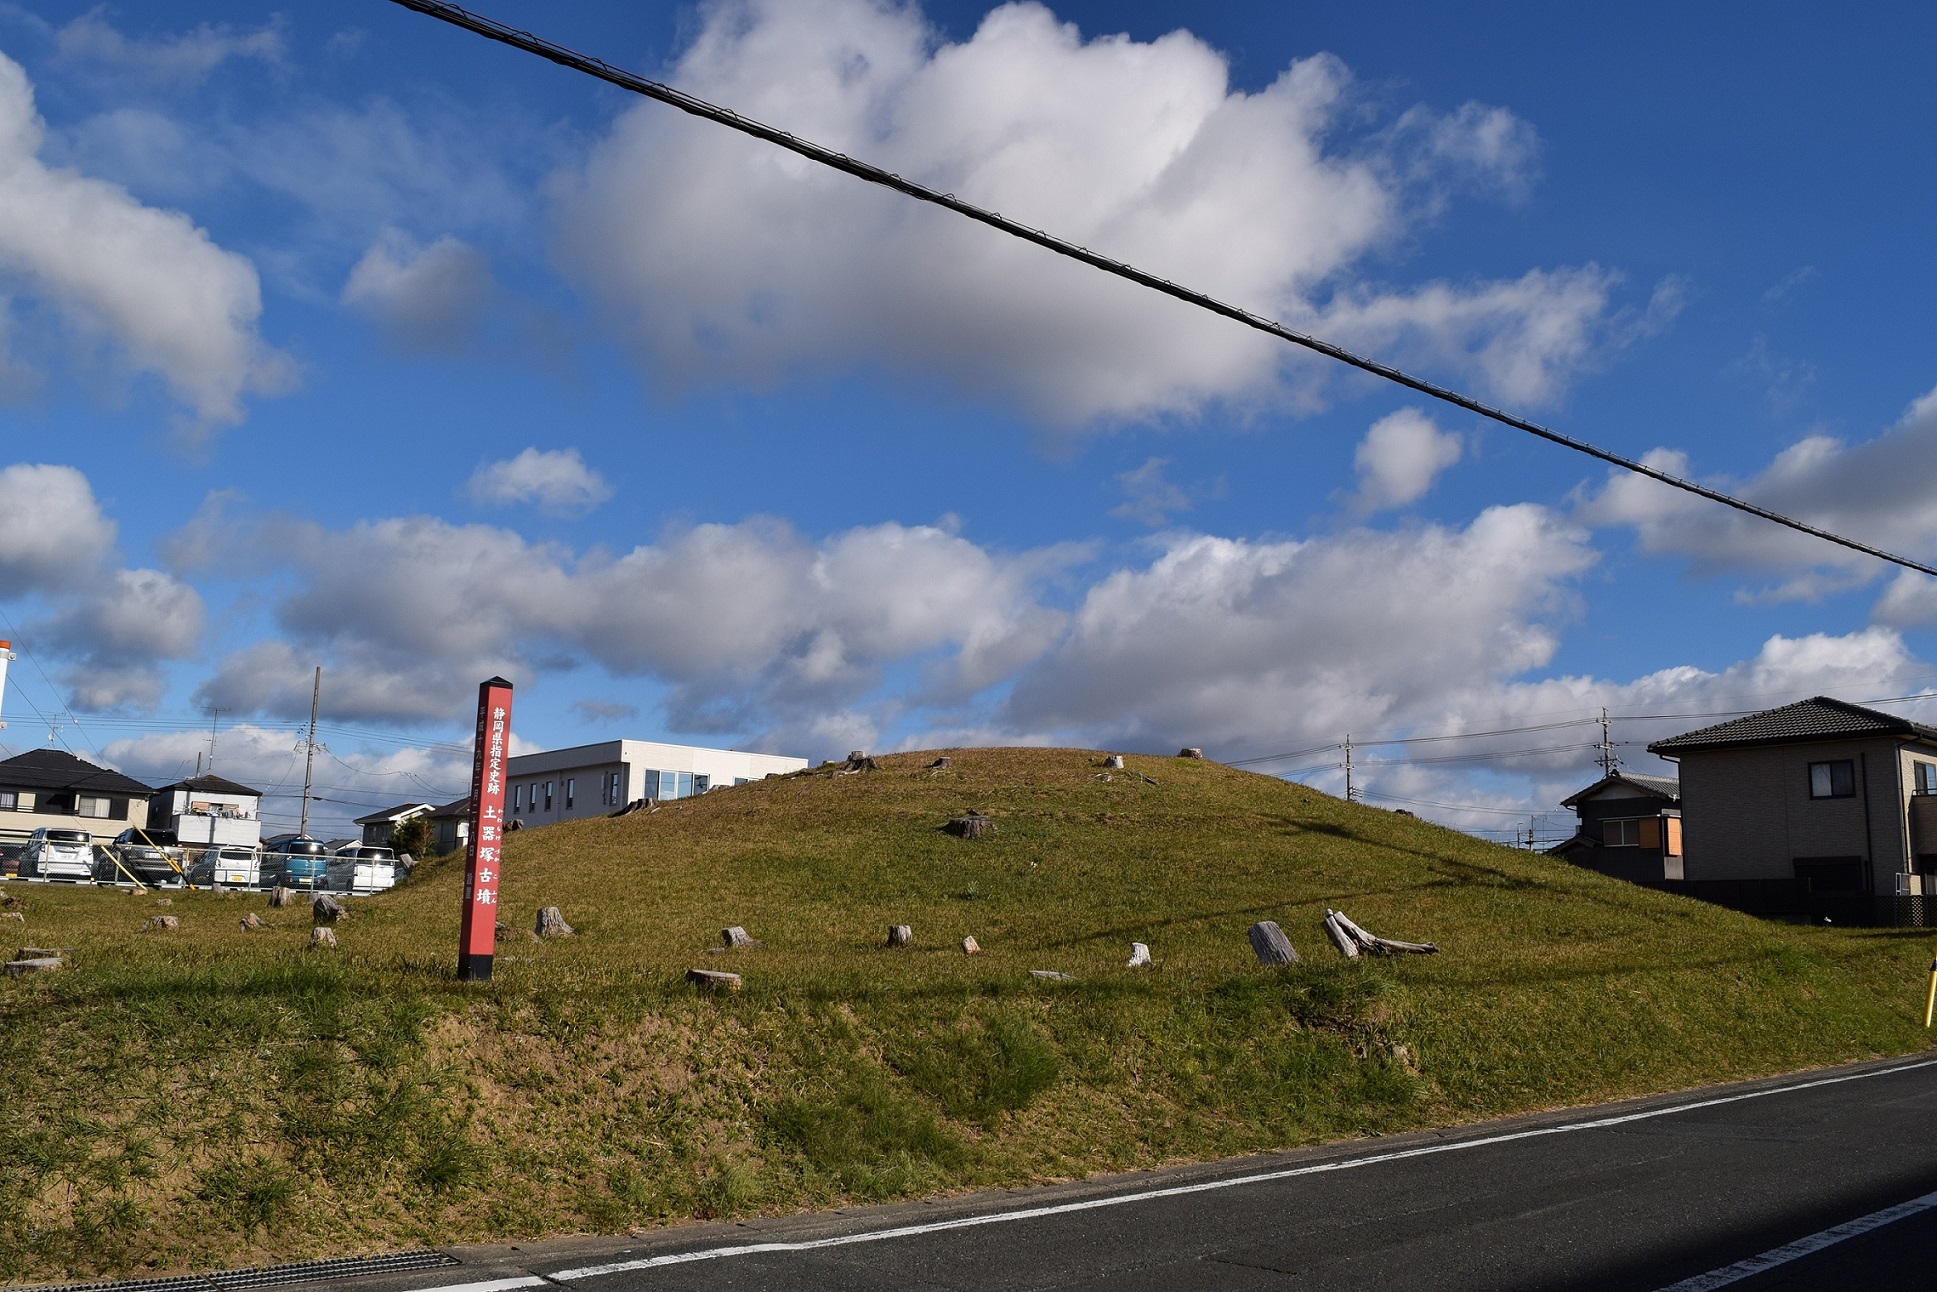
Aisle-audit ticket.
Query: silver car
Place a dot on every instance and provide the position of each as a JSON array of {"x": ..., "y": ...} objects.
[
  {"x": 227, "y": 866},
  {"x": 362, "y": 868},
  {"x": 54, "y": 853}
]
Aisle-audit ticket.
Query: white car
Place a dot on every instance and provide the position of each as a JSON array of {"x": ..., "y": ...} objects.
[
  {"x": 362, "y": 868},
  {"x": 227, "y": 866},
  {"x": 54, "y": 853}
]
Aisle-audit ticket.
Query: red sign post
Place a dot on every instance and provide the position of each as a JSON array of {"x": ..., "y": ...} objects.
[{"x": 478, "y": 934}]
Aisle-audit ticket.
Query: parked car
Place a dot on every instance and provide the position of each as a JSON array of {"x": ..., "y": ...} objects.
[
  {"x": 227, "y": 866},
  {"x": 363, "y": 868},
  {"x": 148, "y": 864},
  {"x": 10, "y": 858},
  {"x": 305, "y": 862},
  {"x": 54, "y": 853}
]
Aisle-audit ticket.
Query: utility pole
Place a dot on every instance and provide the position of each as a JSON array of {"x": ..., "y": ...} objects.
[
  {"x": 1608, "y": 761},
  {"x": 214, "y": 717},
  {"x": 309, "y": 747},
  {"x": 1351, "y": 794}
]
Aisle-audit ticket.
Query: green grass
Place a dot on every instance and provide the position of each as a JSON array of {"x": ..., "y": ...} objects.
[{"x": 218, "y": 1096}]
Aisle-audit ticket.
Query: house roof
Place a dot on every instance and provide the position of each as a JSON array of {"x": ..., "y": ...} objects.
[
  {"x": 397, "y": 813},
  {"x": 56, "y": 769},
  {"x": 1817, "y": 718},
  {"x": 1661, "y": 787},
  {"x": 213, "y": 784},
  {"x": 455, "y": 808}
]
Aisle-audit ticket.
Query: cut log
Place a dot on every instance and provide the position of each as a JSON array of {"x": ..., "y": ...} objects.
[
  {"x": 1052, "y": 975},
  {"x": 13, "y": 915},
  {"x": 1381, "y": 946},
  {"x": 551, "y": 924},
  {"x": 1190, "y": 751},
  {"x": 942, "y": 763},
  {"x": 251, "y": 922},
  {"x": 280, "y": 896},
  {"x": 972, "y": 826},
  {"x": 322, "y": 938},
  {"x": 326, "y": 909},
  {"x": 161, "y": 924},
  {"x": 45, "y": 964},
  {"x": 1114, "y": 762},
  {"x": 734, "y": 936},
  {"x": 713, "y": 980},
  {"x": 1348, "y": 945},
  {"x": 900, "y": 935},
  {"x": 1139, "y": 955},
  {"x": 1271, "y": 944},
  {"x": 970, "y": 947}
]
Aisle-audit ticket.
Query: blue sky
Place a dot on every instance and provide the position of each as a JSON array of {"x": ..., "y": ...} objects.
[{"x": 338, "y": 336}]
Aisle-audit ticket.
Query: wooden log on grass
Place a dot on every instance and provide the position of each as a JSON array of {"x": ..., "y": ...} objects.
[
  {"x": 1345, "y": 942},
  {"x": 900, "y": 935},
  {"x": 1139, "y": 955},
  {"x": 973, "y": 825},
  {"x": 736, "y": 937},
  {"x": 1271, "y": 944},
  {"x": 713, "y": 980},
  {"x": 42, "y": 964}
]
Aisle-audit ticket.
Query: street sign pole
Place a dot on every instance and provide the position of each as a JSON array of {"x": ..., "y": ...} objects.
[{"x": 478, "y": 932}]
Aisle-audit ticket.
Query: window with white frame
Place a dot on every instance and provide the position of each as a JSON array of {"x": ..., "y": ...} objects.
[
  {"x": 94, "y": 807},
  {"x": 1926, "y": 778},
  {"x": 571, "y": 787}
]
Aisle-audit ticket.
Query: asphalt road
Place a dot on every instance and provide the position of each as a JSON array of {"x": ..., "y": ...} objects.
[{"x": 1823, "y": 1181}]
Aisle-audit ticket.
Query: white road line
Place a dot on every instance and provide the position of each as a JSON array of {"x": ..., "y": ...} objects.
[
  {"x": 491, "y": 1285},
  {"x": 1205, "y": 1186},
  {"x": 1803, "y": 1246}
]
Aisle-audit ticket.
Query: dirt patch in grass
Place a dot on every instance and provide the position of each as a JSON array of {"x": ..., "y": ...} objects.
[{"x": 216, "y": 1096}]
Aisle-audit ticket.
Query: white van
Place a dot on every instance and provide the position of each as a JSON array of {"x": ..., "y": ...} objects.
[
  {"x": 363, "y": 868},
  {"x": 228, "y": 866},
  {"x": 54, "y": 853}
]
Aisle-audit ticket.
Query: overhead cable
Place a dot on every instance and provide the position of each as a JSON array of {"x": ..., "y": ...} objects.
[{"x": 698, "y": 107}]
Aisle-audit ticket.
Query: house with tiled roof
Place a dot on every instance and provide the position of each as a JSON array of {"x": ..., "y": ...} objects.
[
  {"x": 1629, "y": 827},
  {"x": 1825, "y": 796},
  {"x": 51, "y": 787}
]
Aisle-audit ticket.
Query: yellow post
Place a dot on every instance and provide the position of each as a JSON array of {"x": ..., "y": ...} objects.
[{"x": 1930, "y": 1000}]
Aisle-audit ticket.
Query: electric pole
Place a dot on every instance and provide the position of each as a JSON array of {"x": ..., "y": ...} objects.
[
  {"x": 309, "y": 749},
  {"x": 1607, "y": 747},
  {"x": 1351, "y": 794},
  {"x": 214, "y": 718}
]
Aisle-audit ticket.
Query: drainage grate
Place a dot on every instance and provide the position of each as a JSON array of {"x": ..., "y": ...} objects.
[{"x": 267, "y": 1276}]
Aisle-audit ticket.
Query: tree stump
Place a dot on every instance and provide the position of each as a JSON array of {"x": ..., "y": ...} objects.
[
  {"x": 713, "y": 980},
  {"x": 40, "y": 964},
  {"x": 736, "y": 937},
  {"x": 1190, "y": 751},
  {"x": 322, "y": 938},
  {"x": 161, "y": 924},
  {"x": 1340, "y": 938},
  {"x": 1271, "y": 944},
  {"x": 251, "y": 922},
  {"x": 900, "y": 935},
  {"x": 942, "y": 763},
  {"x": 1139, "y": 955},
  {"x": 1052, "y": 975},
  {"x": 972, "y": 826},
  {"x": 971, "y": 947},
  {"x": 551, "y": 924},
  {"x": 326, "y": 909},
  {"x": 280, "y": 896}
]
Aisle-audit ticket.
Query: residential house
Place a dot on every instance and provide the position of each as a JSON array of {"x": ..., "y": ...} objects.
[
  {"x": 451, "y": 825},
  {"x": 51, "y": 787},
  {"x": 378, "y": 825},
  {"x": 1824, "y": 796},
  {"x": 204, "y": 811},
  {"x": 589, "y": 780},
  {"x": 1630, "y": 827}
]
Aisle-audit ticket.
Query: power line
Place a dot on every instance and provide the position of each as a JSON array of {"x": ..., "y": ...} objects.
[{"x": 698, "y": 107}]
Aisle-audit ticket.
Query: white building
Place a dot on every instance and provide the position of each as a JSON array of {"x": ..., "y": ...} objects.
[
  {"x": 207, "y": 810},
  {"x": 590, "y": 780}
]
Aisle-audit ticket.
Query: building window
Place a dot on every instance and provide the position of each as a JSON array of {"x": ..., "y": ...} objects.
[
  {"x": 548, "y": 796},
  {"x": 517, "y": 798},
  {"x": 1835, "y": 780},
  {"x": 1927, "y": 778},
  {"x": 9, "y": 801},
  {"x": 85, "y": 806},
  {"x": 1621, "y": 834},
  {"x": 701, "y": 784},
  {"x": 571, "y": 786},
  {"x": 612, "y": 790}
]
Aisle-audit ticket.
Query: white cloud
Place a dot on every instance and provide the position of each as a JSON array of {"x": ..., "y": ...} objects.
[
  {"x": 1399, "y": 458},
  {"x": 1149, "y": 497},
  {"x": 52, "y": 531},
  {"x": 428, "y": 299},
  {"x": 718, "y": 257},
  {"x": 555, "y": 480},
  {"x": 177, "y": 305},
  {"x": 1881, "y": 491},
  {"x": 176, "y": 60}
]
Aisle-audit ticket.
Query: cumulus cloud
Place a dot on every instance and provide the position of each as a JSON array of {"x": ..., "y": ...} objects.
[
  {"x": 177, "y": 306},
  {"x": 1149, "y": 497},
  {"x": 427, "y": 299},
  {"x": 1399, "y": 458},
  {"x": 52, "y": 530},
  {"x": 554, "y": 480},
  {"x": 721, "y": 258},
  {"x": 1882, "y": 491}
]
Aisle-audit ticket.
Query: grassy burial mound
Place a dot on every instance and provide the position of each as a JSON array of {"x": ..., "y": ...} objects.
[{"x": 216, "y": 1094}]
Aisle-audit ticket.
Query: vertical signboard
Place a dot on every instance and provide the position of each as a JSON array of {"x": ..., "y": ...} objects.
[{"x": 478, "y": 933}]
